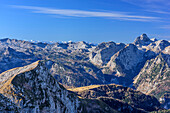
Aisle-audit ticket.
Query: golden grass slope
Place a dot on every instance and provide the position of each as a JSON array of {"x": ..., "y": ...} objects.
[{"x": 79, "y": 89}]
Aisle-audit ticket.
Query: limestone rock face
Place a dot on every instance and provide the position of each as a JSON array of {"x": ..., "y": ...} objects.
[
  {"x": 103, "y": 52},
  {"x": 154, "y": 78},
  {"x": 33, "y": 89},
  {"x": 153, "y": 39},
  {"x": 167, "y": 50}
]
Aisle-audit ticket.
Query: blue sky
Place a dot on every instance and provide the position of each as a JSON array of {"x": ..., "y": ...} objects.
[{"x": 84, "y": 20}]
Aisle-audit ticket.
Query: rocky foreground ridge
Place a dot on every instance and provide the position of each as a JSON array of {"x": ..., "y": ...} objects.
[{"x": 31, "y": 89}]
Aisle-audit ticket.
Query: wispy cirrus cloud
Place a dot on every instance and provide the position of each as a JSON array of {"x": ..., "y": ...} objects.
[
  {"x": 161, "y": 8},
  {"x": 165, "y": 27},
  {"x": 150, "y": 3},
  {"x": 155, "y": 6},
  {"x": 159, "y": 11},
  {"x": 83, "y": 13}
]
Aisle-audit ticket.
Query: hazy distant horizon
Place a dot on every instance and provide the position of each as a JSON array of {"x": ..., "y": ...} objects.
[{"x": 67, "y": 41}]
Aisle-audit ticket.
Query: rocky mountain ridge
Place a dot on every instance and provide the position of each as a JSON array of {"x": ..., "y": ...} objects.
[{"x": 76, "y": 64}]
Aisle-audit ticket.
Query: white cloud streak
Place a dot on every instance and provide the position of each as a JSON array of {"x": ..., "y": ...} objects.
[
  {"x": 82, "y": 13},
  {"x": 159, "y": 11},
  {"x": 165, "y": 27},
  {"x": 156, "y": 6},
  {"x": 148, "y": 2}
]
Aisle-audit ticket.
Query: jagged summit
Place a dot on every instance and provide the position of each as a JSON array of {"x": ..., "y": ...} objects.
[
  {"x": 5, "y": 39},
  {"x": 144, "y": 37},
  {"x": 142, "y": 40},
  {"x": 154, "y": 39}
]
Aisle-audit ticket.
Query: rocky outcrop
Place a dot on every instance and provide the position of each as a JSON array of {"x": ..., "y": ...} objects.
[
  {"x": 6, "y": 105},
  {"x": 103, "y": 52},
  {"x": 79, "y": 45},
  {"x": 154, "y": 39},
  {"x": 166, "y": 50},
  {"x": 159, "y": 46}
]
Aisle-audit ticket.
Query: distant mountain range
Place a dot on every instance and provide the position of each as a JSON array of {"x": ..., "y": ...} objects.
[{"x": 142, "y": 65}]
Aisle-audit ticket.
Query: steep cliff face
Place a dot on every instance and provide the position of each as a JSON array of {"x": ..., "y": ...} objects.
[
  {"x": 127, "y": 62},
  {"x": 33, "y": 89},
  {"x": 103, "y": 52},
  {"x": 154, "y": 77}
]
